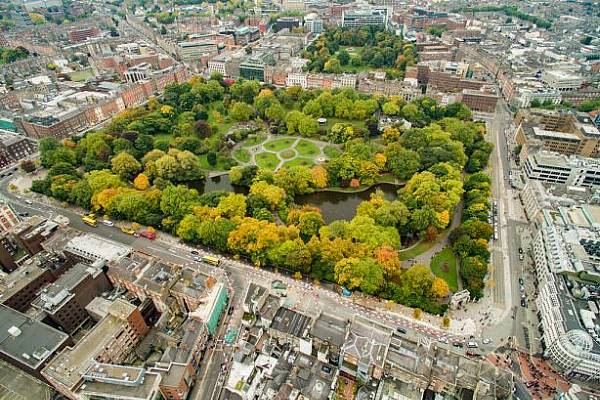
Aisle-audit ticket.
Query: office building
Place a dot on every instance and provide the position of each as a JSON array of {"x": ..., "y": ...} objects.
[
  {"x": 365, "y": 17},
  {"x": 192, "y": 51},
  {"x": 557, "y": 168},
  {"x": 562, "y": 81}
]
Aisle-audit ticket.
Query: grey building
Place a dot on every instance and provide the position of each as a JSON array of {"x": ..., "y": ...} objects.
[{"x": 26, "y": 343}]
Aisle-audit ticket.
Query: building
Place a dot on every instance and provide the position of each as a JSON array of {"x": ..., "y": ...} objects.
[
  {"x": 358, "y": 18},
  {"x": 64, "y": 301},
  {"x": 558, "y": 168},
  {"x": 288, "y": 23},
  {"x": 19, "y": 288},
  {"x": 109, "y": 381},
  {"x": 254, "y": 67},
  {"x": 570, "y": 337},
  {"x": 313, "y": 23},
  {"x": 211, "y": 307},
  {"x": 480, "y": 101},
  {"x": 109, "y": 342},
  {"x": 89, "y": 248},
  {"x": 291, "y": 327},
  {"x": 562, "y": 81},
  {"x": 8, "y": 217},
  {"x": 81, "y": 35},
  {"x": 26, "y": 343},
  {"x": 192, "y": 51},
  {"x": 364, "y": 351},
  {"x": 15, "y": 147},
  {"x": 565, "y": 133}
]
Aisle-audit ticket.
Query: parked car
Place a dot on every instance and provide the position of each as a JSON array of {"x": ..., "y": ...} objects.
[
  {"x": 194, "y": 252},
  {"x": 401, "y": 330},
  {"x": 472, "y": 345},
  {"x": 457, "y": 344},
  {"x": 521, "y": 281},
  {"x": 487, "y": 341},
  {"x": 107, "y": 222},
  {"x": 523, "y": 303}
]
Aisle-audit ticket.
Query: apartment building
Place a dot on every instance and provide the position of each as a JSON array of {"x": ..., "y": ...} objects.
[
  {"x": 109, "y": 342},
  {"x": 88, "y": 248},
  {"x": 8, "y": 217}
]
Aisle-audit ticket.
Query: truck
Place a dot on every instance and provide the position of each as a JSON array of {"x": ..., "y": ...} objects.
[
  {"x": 89, "y": 219},
  {"x": 148, "y": 234},
  {"x": 211, "y": 260}
]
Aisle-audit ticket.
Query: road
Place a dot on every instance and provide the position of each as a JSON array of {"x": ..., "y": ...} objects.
[{"x": 507, "y": 267}]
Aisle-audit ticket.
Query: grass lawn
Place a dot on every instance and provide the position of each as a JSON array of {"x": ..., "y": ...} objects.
[
  {"x": 307, "y": 162},
  {"x": 307, "y": 148},
  {"x": 255, "y": 139},
  {"x": 443, "y": 265},
  {"x": 332, "y": 151},
  {"x": 414, "y": 251},
  {"x": 287, "y": 154},
  {"x": 242, "y": 155},
  {"x": 279, "y": 144},
  {"x": 267, "y": 160},
  {"x": 81, "y": 76},
  {"x": 332, "y": 121}
]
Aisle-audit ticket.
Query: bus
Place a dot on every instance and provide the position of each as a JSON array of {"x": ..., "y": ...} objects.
[
  {"x": 89, "y": 220},
  {"x": 211, "y": 260}
]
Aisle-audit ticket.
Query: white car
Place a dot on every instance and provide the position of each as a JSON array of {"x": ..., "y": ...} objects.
[
  {"x": 28, "y": 201},
  {"x": 107, "y": 222},
  {"x": 472, "y": 345},
  {"x": 487, "y": 341}
]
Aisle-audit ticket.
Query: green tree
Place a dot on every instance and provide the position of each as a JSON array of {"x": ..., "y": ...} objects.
[
  {"x": 125, "y": 165},
  {"x": 362, "y": 273},
  {"x": 292, "y": 255},
  {"x": 241, "y": 111}
]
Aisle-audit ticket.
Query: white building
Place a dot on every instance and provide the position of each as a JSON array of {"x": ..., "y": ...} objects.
[
  {"x": 571, "y": 347},
  {"x": 96, "y": 249},
  {"x": 562, "y": 81},
  {"x": 313, "y": 23},
  {"x": 296, "y": 79},
  {"x": 558, "y": 168},
  {"x": 344, "y": 80}
]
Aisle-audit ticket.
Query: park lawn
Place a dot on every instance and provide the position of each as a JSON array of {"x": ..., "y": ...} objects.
[
  {"x": 307, "y": 162},
  {"x": 242, "y": 155},
  {"x": 415, "y": 250},
  {"x": 332, "y": 121},
  {"x": 255, "y": 139},
  {"x": 287, "y": 154},
  {"x": 332, "y": 151},
  {"x": 307, "y": 148},
  {"x": 267, "y": 160},
  {"x": 279, "y": 144},
  {"x": 443, "y": 265}
]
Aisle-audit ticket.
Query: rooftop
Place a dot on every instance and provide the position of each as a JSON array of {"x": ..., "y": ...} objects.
[
  {"x": 95, "y": 247},
  {"x": 68, "y": 367},
  {"x": 27, "y": 341},
  {"x": 330, "y": 328},
  {"x": 290, "y": 322},
  {"x": 121, "y": 382},
  {"x": 368, "y": 343}
]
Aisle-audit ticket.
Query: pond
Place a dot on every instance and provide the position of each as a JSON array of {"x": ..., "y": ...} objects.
[
  {"x": 338, "y": 205},
  {"x": 333, "y": 205}
]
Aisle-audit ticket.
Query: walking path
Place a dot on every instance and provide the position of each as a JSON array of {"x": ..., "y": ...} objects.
[{"x": 260, "y": 149}]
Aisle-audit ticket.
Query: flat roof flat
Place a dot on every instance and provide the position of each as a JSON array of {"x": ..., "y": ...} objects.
[{"x": 27, "y": 341}]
